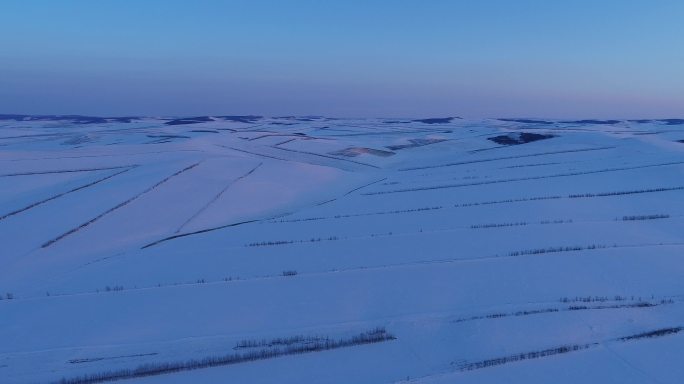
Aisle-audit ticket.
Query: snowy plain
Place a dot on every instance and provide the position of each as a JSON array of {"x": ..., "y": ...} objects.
[{"x": 319, "y": 250}]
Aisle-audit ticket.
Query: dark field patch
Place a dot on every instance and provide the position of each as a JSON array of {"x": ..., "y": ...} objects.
[
  {"x": 672, "y": 121},
  {"x": 241, "y": 119},
  {"x": 595, "y": 122},
  {"x": 356, "y": 151},
  {"x": 190, "y": 120},
  {"x": 526, "y": 121},
  {"x": 437, "y": 120},
  {"x": 168, "y": 137},
  {"x": 77, "y": 119},
  {"x": 413, "y": 143},
  {"x": 519, "y": 138},
  {"x": 641, "y": 121}
]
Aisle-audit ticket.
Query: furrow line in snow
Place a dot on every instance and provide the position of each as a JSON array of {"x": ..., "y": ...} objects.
[
  {"x": 116, "y": 207},
  {"x": 326, "y": 156},
  {"x": 218, "y": 195},
  {"x": 408, "y": 264},
  {"x": 254, "y": 153},
  {"x": 569, "y": 174},
  {"x": 65, "y": 171},
  {"x": 196, "y": 233},
  {"x": 489, "y": 202},
  {"x": 504, "y": 158},
  {"x": 466, "y": 366},
  {"x": 37, "y": 203}
]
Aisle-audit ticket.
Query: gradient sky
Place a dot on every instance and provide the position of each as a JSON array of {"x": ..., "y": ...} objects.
[{"x": 349, "y": 58}]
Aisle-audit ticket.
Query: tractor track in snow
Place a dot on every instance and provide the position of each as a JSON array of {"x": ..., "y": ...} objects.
[
  {"x": 64, "y": 171},
  {"x": 503, "y": 158},
  {"x": 116, "y": 207},
  {"x": 84, "y": 186},
  {"x": 568, "y": 174},
  {"x": 218, "y": 195}
]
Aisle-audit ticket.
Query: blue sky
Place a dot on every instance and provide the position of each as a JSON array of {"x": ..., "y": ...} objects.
[{"x": 485, "y": 58}]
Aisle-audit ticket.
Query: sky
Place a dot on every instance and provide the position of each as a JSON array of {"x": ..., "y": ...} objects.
[{"x": 344, "y": 58}]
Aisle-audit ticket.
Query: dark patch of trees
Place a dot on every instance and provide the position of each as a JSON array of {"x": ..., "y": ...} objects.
[
  {"x": 651, "y": 334},
  {"x": 539, "y": 251},
  {"x": 618, "y": 193},
  {"x": 498, "y": 225},
  {"x": 322, "y": 344},
  {"x": 8, "y": 296},
  {"x": 592, "y": 299},
  {"x": 638, "y": 304},
  {"x": 524, "y": 356},
  {"x": 645, "y": 217},
  {"x": 502, "y": 314},
  {"x": 283, "y": 242},
  {"x": 299, "y": 339}
]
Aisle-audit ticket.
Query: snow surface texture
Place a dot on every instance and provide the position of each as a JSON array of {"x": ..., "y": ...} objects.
[{"x": 241, "y": 249}]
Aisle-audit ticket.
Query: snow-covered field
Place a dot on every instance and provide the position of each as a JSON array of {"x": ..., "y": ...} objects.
[{"x": 314, "y": 250}]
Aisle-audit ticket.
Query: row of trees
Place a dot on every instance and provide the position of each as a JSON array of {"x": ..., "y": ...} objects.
[{"x": 375, "y": 335}]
